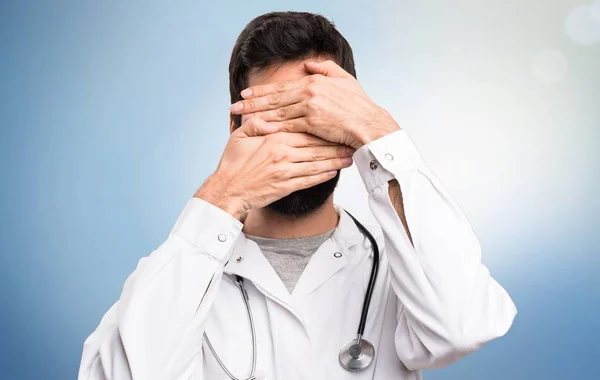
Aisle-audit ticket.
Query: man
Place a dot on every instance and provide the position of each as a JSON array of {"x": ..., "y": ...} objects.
[{"x": 263, "y": 230}]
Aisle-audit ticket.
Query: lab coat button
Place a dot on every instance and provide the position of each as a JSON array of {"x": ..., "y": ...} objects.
[
  {"x": 239, "y": 259},
  {"x": 337, "y": 255},
  {"x": 389, "y": 157},
  {"x": 373, "y": 165},
  {"x": 222, "y": 237}
]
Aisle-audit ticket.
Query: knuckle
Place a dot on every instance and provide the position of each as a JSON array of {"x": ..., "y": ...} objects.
[
  {"x": 312, "y": 90},
  {"x": 277, "y": 187},
  {"x": 287, "y": 126},
  {"x": 280, "y": 87},
  {"x": 313, "y": 168},
  {"x": 274, "y": 98},
  {"x": 279, "y": 173},
  {"x": 279, "y": 155},
  {"x": 282, "y": 112},
  {"x": 307, "y": 182}
]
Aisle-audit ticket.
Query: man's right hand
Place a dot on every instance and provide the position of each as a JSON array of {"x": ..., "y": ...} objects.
[{"x": 259, "y": 167}]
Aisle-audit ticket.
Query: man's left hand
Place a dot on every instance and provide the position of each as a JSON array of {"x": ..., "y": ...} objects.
[{"x": 329, "y": 104}]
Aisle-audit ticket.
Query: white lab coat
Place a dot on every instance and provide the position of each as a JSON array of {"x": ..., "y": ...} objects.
[{"x": 433, "y": 303}]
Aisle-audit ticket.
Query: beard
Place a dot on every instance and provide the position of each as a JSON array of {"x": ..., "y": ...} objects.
[{"x": 305, "y": 201}]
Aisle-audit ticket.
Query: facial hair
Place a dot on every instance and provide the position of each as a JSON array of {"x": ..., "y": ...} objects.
[{"x": 305, "y": 201}]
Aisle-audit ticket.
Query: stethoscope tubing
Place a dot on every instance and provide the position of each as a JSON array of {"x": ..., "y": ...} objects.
[
  {"x": 374, "y": 270},
  {"x": 239, "y": 281}
]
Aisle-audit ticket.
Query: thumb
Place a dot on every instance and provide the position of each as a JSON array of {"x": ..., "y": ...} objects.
[
  {"x": 327, "y": 68},
  {"x": 256, "y": 126}
]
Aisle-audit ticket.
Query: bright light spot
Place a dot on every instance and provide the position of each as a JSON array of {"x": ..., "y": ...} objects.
[
  {"x": 550, "y": 66},
  {"x": 595, "y": 11},
  {"x": 581, "y": 27}
]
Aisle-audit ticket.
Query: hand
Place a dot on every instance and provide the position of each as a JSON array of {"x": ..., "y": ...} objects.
[
  {"x": 329, "y": 103},
  {"x": 260, "y": 166}
]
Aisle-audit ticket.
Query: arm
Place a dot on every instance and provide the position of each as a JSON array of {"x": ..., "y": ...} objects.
[
  {"x": 449, "y": 305},
  {"x": 152, "y": 331}
]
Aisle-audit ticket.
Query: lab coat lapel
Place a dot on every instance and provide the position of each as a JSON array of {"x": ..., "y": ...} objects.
[
  {"x": 331, "y": 256},
  {"x": 249, "y": 262},
  {"x": 325, "y": 262}
]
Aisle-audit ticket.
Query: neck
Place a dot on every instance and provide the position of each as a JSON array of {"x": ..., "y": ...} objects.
[{"x": 265, "y": 223}]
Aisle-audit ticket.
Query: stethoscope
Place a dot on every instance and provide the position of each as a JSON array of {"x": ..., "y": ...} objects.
[{"x": 355, "y": 355}]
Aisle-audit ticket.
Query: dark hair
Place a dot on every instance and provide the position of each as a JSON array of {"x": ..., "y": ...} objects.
[{"x": 277, "y": 37}]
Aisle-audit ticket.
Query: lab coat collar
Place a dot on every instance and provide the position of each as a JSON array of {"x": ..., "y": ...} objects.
[
  {"x": 248, "y": 261},
  {"x": 347, "y": 233}
]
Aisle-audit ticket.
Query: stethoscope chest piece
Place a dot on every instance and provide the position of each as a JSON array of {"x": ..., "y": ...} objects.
[{"x": 357, "y": 354}]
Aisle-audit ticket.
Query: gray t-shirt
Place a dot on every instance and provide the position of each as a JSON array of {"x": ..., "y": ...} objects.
[{"x": 289, "y": 257}]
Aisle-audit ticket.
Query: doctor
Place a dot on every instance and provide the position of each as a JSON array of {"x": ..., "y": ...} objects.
[{"x": 263, "y": 277}]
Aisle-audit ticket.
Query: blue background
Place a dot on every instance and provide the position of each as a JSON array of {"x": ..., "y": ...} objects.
[{"x": 113, "y": 113}]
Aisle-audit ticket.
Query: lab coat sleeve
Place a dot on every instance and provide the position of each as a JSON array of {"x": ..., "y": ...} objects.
[
  {"x": 449, "y": 305},
  {"x": 154, "y": 330}
]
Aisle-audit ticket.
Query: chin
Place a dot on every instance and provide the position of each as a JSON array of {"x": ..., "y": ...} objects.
[{"x": 306, "y": 201}]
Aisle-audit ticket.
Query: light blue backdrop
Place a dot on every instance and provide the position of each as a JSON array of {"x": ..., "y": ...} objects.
[{"x": 112, "y": 113}]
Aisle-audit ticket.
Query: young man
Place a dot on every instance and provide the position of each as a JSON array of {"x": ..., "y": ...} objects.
[{"x": 263, "y": 276}]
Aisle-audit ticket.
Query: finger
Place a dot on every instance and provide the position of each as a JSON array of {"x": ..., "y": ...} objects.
[
  {"x": 269, "y": 101},
  {"x": 297, "y": 125},
  {"x": 255, "y": 127},
  {"x": 302, "y": 169},
  {"x": 272, "y": 88},
  {"x": 299, "y": 183},
  {"x": 320, "y": 153},
  {"x": 292, "y": 111},
  {"x": 299, "y": 140},
  {"x": 247, "y": 117},
  {"x": 328, "y": 68}
]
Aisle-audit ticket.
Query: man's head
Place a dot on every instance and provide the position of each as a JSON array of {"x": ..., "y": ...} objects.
[{"x": 271, "y": 49}]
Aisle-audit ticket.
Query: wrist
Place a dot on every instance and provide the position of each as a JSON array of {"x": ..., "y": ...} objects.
[
  {"x": 383, "y": 125},
  {"x": 214, "y": 191}
]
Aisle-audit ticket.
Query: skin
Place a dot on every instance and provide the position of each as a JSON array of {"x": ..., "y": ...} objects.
[{"x": 301, "y": 121}]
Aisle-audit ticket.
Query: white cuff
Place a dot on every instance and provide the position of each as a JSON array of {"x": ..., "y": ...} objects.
[
  {"x": 380, "y": 160},
  {"x": 208, "y": 228}
]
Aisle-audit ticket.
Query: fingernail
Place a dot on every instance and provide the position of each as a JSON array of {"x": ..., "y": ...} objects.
[
  {"x": 237, "y": 107},
  {"x": 247, "y": 92},
  {"x": 347, "y": 160},
  {"x": 350, "y": 151}
]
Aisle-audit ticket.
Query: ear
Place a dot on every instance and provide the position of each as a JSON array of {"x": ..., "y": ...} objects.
[{"x": 231, "y": 123}]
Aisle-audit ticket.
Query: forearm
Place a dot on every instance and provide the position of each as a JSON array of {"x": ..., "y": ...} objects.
[
  {"x": 449, "y": 304},
  {"x": 170, "y": 293}
]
